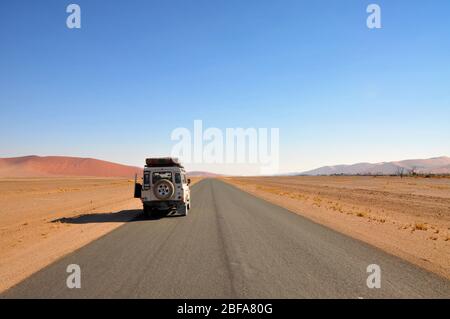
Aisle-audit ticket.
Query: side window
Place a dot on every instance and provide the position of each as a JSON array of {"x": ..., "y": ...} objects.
[
  {"x": 177, "y": 178},
  {"x": 184, "y": 179}
]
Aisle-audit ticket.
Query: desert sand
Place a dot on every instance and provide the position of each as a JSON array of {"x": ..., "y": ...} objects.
[
  {"x": 407, "y": 217},
  {"x": 33, "y": 231}
]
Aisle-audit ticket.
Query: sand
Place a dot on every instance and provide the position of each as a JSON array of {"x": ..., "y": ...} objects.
[
  {"x": 407, "y": 217},
  {"x": 31, "y": 233}
]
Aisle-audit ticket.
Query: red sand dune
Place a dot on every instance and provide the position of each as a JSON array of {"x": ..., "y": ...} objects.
[{"x": 36, "y": 166}]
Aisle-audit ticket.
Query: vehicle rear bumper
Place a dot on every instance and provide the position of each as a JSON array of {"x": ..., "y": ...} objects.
[{"x": 163, "y": 205}]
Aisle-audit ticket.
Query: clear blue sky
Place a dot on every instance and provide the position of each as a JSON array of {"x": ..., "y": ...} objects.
[{"x": 117, "y": 87}]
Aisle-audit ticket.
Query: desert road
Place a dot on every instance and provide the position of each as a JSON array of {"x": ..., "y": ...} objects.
[{"x": 232, "y": 245}]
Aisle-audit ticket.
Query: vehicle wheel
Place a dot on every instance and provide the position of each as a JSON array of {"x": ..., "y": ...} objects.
[{"x": 163, "y": 189}]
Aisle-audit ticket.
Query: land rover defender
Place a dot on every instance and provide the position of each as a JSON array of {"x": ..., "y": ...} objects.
[{"x": 165, "y": 187}]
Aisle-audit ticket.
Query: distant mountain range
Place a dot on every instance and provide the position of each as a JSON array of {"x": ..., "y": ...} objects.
[
  {"x": 48, "y": 166},
  {"x": 437, "y": 165}
]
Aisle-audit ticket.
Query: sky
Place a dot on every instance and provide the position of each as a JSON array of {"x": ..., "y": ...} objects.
[{"x": 116, "y": 88}]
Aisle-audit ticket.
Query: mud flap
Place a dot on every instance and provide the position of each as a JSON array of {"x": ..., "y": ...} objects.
[
  {"x": 137, "y": 188},
  {"x": 183, "y": 210}
]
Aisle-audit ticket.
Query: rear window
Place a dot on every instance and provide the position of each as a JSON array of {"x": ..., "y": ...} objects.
[
  {"x": 161, "y": 175},
  {"x": 177, "y": 178}
]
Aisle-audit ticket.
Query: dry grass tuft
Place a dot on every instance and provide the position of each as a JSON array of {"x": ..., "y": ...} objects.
[{"x": 420, "y": 226}]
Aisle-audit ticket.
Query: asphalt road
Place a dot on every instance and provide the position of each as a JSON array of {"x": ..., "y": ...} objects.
[{"x": 232, "y": 245}]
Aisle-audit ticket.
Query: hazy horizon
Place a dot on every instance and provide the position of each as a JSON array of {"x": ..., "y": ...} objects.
[{"x": 216, "y": 172}]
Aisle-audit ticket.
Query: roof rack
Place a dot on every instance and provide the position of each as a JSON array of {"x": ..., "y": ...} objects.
[{"x": 162, "y": 162}]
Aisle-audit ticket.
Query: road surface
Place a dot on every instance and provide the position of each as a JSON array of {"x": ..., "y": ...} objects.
[{"x": 232, "y": 245}]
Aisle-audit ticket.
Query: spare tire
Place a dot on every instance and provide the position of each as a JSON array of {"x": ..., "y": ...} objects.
[{"x": 163, "y": 189}]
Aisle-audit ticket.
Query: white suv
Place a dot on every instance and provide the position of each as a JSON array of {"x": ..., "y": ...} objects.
[{"x": 164, "y": 187}]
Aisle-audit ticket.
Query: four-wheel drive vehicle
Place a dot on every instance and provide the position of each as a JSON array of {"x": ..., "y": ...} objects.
[{"x": 164, "y": 187}]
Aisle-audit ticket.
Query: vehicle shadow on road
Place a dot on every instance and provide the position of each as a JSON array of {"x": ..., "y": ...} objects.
[
  {"x": 124, "y": 216},
  {"x": 112, "y": 217}
]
